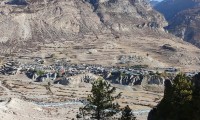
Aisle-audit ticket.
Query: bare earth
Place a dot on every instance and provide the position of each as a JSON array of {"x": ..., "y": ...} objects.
[{"x": 24, "y": 99}]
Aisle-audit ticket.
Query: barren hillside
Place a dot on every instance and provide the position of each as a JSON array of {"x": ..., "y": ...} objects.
[{"x": 106, "y": 32}]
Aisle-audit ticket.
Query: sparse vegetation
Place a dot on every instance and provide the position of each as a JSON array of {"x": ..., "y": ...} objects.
[{"x": 40, "y": 72}]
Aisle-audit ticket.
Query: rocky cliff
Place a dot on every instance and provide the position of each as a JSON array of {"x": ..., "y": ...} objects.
[{"x": 126, "y": 16}]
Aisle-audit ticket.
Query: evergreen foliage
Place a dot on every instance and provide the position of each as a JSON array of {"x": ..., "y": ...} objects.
[
  {"x": 196, "y": 97},
  {"x": 127, "y": 114},
  {"x": 181, "y": 100},
  {"x": 101, "y": 102}
]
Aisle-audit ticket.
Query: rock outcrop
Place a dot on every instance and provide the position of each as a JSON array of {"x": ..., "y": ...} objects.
[{"x": 126, "y": 16}]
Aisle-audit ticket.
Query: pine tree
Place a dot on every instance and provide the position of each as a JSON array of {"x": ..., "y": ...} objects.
[
  {"x": 127, "y": 114},
  {"x": 101, "y": 101},
  {"x": 177, "y": 101},
  {"x": 182, "y": 89},
  {"x": 196, "y": 97},
  {"x": 182, "y": 97}
]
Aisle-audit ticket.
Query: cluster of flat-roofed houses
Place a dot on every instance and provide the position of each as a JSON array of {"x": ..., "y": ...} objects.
[
  {"x": 60, "y": 73},
  {"x": 10, "y": 68}
]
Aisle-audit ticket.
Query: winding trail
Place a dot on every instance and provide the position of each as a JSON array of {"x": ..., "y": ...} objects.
[{"x": 62, "y": 104}]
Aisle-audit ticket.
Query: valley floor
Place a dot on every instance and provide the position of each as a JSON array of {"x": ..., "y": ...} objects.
[{"x": 24, "y": 99}]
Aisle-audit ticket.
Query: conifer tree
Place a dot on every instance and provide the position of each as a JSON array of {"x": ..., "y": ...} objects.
[
  {"x": 101, "y": 102},
  {"x": 127, "y": 114},
  {"x": 196, "y": 97},
  {"x": 177, "y": 101}
]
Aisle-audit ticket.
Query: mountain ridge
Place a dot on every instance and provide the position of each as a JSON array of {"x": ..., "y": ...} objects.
[
  {"x": 169, "y": 8},
  {"x": 184, "y": 21}
]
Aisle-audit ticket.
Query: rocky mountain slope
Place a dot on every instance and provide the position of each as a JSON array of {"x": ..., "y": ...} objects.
[
  {"x": 105, "y": 32},
  {"x": 169, "y": 8},
  {"x": 54, "y": 20},
  {"x": 186, "y": 25},
  {"x": 126, "y": 16},
  {"x": 183, "y": 18}
]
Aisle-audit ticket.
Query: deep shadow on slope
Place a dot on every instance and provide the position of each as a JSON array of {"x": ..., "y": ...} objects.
[
  {"x": 169, "y": 8},
  {"x": 17, "y": 2}
]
